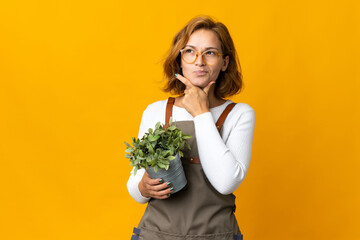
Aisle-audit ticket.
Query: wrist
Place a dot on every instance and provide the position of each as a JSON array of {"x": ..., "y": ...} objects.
[{"x": 141, "y": 188}]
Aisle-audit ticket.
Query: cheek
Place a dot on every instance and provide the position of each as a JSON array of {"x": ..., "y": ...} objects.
[
  {"x": 185, "y": 69},
  {"x": 214, "y": 72}
]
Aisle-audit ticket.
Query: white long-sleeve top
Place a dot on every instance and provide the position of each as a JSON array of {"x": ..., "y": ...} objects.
[{"x": 225, "y": 159}]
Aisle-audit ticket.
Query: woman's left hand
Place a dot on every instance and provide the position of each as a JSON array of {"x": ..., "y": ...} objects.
[{"x": 195, "y": 100}]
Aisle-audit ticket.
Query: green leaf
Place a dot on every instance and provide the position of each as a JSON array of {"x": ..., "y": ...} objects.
[
  {"x": 135, "y": 170},
  {"x": 160, "y": 131},
  {"x": 161, "y": 165},
  {"x": 164, "y": 161},
  {"x": 185, "y": 136},
  {"x": 156, "y": 168},
  {"x": 128, "y": 145},
  {"x": 129, "y": 150},
  {"x": 171, "y": 128},
  {"x": 165, "y": 153},
  {"x": 171, "y": 158},
  {"x": 153, "y": 138},
  {"x": 172, "y": 150},
  {"x": 127, "y": 155},
  {"x": 135, "y": 142},
  {"x": 150, "y": 148}
]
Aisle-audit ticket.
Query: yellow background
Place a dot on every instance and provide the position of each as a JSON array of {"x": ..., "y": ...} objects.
[{"x": 75, "y": 77}]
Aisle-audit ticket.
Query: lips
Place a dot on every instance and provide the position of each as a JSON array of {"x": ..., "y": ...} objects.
[{"x": 200, "y": 72}]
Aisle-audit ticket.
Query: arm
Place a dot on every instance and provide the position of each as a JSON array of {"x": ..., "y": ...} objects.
[
  {"x": 133, "y": 182},
  {"x": 141, "y": 187},
  {"x": 133, "y": 186},
  {"x": 225, "y": 164}
]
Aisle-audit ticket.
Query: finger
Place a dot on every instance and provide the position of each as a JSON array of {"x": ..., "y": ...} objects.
[
  {"x": 151, "y": 181},
  {"x": 155, "y": 182},
  {"x": 184, "y": 80},
  {"x": 161, "y": 187},
  {"x": 164, "y": 193},
  {"x": 207, "y": 88}
]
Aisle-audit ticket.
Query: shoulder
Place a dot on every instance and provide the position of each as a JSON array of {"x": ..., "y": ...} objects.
[
  {"x": 156, "y": 107},
  {"x": 244, "y": 108},
  {"x": 241, "y": 108},
  {"x": 242, "y": 112},
  {"x": 155, "y": 112}
]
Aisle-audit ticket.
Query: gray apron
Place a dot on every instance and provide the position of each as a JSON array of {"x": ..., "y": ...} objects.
[{"x": 198, "y": 211}]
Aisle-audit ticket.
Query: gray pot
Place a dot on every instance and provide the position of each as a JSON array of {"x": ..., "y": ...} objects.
[{"x": 175, "y": 174}]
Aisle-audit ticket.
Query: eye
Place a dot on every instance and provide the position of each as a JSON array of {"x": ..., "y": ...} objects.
[
  {"x": 188, "y": 50},
  {"x": 210, "y": 53}
]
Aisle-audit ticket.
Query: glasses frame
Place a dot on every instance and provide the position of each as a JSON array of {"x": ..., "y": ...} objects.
[{"x": 197, "y": 55}]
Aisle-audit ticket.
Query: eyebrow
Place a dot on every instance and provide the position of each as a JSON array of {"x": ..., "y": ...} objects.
[{"x": 204, "y": 49}]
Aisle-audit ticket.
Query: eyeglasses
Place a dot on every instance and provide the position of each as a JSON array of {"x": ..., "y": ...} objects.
[{"x": 210, "y": 57}]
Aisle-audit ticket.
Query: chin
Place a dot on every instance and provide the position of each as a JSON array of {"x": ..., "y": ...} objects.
[
  {"x": 200, "y": 85},
  {"x": 200, "y": 82}
]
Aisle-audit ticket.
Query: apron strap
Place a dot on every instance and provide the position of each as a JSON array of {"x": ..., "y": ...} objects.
[
  {"x": 219, "y": 123},
  {"x": 223, "y": 116},
  {"x": 169, "y": 108}
]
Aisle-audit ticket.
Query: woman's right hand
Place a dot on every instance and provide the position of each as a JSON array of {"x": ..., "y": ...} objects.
[{"x": 154, "y": 188}]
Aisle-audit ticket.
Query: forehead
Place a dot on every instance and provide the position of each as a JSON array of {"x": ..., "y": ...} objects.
[{"x": 204, "y": 38}]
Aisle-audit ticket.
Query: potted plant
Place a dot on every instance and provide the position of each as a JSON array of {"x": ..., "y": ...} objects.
[{"x": 159, "y": 152}]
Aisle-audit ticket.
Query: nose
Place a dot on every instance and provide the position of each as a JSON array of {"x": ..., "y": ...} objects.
[{"x": 199, "y": 60}]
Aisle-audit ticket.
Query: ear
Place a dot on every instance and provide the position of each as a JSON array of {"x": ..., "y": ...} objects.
[{"x": 226, "y": 63}]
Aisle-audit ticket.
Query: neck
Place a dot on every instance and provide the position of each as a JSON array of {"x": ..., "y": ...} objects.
[{"x": 213, "y": 101}]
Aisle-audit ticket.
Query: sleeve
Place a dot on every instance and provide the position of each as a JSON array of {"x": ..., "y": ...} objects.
[
  {"x": 133, "y": 186},
  {"x": 133, "y": 182},
  {"x": 225, "y": 165}
]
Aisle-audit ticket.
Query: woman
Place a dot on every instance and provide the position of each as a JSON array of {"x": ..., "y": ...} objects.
[{"x": 203, "y": 69}]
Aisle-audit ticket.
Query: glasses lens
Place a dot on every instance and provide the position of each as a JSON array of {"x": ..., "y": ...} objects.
[
  {"x": 210, "y": 57},
  {"x": 188, "y": 55}
]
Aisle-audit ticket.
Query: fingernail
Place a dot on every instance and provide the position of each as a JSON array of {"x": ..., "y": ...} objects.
[
  {"x": 176, "y": 74},
  {"x": 160, "y": 180},
  {"x": 168, "y": 195},
  {"x": 169, "y": 183},
  {"x": 171, "y": 189}
]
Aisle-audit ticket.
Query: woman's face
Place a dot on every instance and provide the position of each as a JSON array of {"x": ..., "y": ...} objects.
[{"x": 200, "y": 73}]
